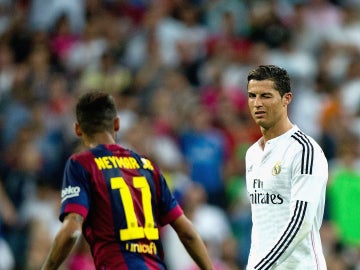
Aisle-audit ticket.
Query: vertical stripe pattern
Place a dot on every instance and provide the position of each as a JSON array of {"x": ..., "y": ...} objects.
[
  {"x": 286, "y": 238},
  {"x": 307, "y": 159}
]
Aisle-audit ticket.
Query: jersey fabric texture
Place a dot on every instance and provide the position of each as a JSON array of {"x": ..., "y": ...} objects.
[
  {"x": 124, "y": 200},
  {"x": 286, "y": 183}
]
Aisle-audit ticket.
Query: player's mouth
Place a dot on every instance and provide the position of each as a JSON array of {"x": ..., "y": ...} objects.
[{"x": 259, "y": 114}]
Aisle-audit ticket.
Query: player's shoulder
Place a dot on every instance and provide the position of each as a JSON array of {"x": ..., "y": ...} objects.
[
  {"x": 80, "y": 155},
  {"x": 302, "y": 140},
  {"x": 81, "y": 160},
  {"x": 304, "y": 144}
]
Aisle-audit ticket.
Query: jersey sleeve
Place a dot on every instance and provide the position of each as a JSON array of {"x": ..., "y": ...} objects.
[
  {"x": 309, "y": 177},
  {"x": 307, "y": 183},
  {"x": 75, "y": 191}
]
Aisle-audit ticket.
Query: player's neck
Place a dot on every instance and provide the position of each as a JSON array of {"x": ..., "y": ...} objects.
[
  {"x": 99, "y": 138},
  {"x": 275, "y": 131}
]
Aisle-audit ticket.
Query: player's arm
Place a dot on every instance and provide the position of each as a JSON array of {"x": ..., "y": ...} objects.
[
  {"x": 64, "y": 241},
  {"x": 192, "y": 242},
  {"x": 297, "y": 228},
  {"x": 7, "y": 209}
]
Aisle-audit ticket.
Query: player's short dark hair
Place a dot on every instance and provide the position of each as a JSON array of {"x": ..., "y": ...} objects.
[
  {"x": 278, "y": 75},
  {"x": 95, "y": 112}
]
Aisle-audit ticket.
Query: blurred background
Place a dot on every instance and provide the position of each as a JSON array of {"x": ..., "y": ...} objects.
[{"x": 178, "y": 71}]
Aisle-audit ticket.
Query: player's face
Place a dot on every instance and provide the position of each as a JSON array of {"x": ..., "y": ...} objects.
[{"x": 266, "y": 105}]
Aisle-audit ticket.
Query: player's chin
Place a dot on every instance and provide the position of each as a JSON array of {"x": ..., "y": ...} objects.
[
  {"x": 260, "y": 121},
  {"x": 264, "y": 125}
]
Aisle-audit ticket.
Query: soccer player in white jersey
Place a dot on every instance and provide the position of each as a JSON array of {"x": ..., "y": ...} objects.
[{"x": 286, "y": 176}]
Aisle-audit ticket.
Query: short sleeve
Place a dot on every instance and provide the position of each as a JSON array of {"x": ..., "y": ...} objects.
[{"x": 75, "y": 193}]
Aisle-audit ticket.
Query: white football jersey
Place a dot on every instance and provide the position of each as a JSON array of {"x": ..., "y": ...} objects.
[{"x": 286, "y": 185}]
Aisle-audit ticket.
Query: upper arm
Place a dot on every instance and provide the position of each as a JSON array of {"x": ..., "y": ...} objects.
[
  {"x": 75, "y": 193},
  {"x": 309, "y": 181},
  {"x": 309, "y": 176}
]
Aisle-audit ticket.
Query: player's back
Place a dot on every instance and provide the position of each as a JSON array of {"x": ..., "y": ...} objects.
[{"x": 125, "y": 201}]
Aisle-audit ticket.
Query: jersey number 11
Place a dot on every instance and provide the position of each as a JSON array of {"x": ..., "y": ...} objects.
[{"x": 133, "y": 230}]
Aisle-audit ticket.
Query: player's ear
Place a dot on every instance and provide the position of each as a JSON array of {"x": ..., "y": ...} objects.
[
  {"x": 116, "y": 124},
  {"x": 77, "y": 130},
  {"x": 287, "y": 98}
]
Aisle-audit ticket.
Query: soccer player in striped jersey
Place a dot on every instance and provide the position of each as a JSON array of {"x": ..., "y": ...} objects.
[
  {"x": 118, "y": 199},
  {"x": 286, "y": 176}
]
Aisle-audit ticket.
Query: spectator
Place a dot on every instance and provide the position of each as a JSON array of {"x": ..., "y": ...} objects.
[
  {"x": 203, "y": 147},
  {"x": 343, "y": 189}
]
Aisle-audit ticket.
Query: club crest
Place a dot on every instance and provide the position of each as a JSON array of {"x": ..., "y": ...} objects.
[{"x": 276, "y": 169}]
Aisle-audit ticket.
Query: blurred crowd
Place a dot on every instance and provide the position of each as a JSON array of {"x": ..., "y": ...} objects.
[{"x": 178, "y": 70}]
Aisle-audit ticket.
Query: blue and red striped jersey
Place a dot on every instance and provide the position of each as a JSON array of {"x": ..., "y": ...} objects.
[{"x": 124, "y": 200}]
